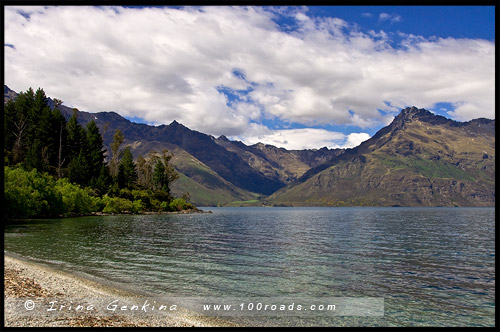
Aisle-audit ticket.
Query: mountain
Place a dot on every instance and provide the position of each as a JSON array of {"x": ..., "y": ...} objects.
[
  {"x": 420, "y": 159},
  {"x": 8, "y": 94},
  {"x": 279, "y": 164},
  {"x": 209, "y": 170}
]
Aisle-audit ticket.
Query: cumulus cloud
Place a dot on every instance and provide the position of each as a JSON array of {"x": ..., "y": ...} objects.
[
  {"x": 304, "y": 138},
  {"x": 220, "y": 70}
]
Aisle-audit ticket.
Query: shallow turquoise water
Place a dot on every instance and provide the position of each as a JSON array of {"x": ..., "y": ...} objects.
[{"x": 432, "y": 266}]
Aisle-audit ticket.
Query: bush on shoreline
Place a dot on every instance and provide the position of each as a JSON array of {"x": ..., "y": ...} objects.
[{"x": 35, "y": 194}]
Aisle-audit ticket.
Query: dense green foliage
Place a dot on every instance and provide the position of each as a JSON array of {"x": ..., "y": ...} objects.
[{"x": 54, "y": 167}]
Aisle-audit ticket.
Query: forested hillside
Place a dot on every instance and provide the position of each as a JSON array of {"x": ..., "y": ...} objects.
[{"x": 57, "y": 167}]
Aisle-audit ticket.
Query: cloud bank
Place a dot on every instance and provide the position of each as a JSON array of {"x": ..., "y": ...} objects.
[{"x": 228, "y": 70}]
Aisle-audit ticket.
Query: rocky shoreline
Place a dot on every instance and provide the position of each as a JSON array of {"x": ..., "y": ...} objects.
[
  {"x": 28, "y": 283},
  {"x": 101, "y": 214}
]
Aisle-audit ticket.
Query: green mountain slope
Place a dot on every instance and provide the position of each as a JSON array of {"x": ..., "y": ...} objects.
[
  {"x": 420, "y": 159},
  {"x": 205, "y": 187}
]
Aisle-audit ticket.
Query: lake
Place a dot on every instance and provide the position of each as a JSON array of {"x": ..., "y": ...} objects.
[{"x": 431, "y": 266}]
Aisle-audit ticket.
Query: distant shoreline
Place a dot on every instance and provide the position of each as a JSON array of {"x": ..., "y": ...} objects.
[{"x": 102, "y": 214}]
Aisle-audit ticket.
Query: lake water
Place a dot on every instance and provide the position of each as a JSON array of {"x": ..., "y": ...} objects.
[{"x": 431, "y": 266}]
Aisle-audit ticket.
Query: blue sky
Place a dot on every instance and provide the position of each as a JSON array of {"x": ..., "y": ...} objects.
[
  {"x": 295, "y": 77},
  {"x": 426, "y": 21}
]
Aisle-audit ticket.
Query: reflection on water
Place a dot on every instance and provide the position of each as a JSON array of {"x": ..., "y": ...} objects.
[{"x": 432, "y": 266}]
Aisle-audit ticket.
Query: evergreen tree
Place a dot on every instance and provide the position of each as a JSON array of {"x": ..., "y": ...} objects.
[
  {"x": 102, "y": 182},
  {"x": 159, "y": 176},
  {"x": 46, "y": 136},
  {"x": 16, "y": 128},
  {"x": 76, "y": 136},
  {"x": 9, "y": 132},
  {"x": 77, "y": 152},
  {"x": 95, "y": 150},
  {"x": 61, "y": 137},
  {"x": 127, "y": 172},
  {"x": 78, "y": 169}
]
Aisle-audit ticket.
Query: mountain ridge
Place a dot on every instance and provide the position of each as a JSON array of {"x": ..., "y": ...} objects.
[
  {"x": 424, "y": 149},
  {"x": 418, "y": 159}
]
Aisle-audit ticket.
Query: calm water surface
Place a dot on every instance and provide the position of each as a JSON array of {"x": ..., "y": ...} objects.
[{"x": 432, "y": 266}]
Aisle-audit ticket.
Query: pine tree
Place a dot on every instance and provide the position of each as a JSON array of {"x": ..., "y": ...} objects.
[
  {"x": 102, "y": 182},
  {"x": 78, "y": 152},
  {"x": 61, "y": 137},
  {"x": 127, "y": 172},
  {"x": 15, "y": 130},
  {"x": 76, "y": 136},
  {"x": 78, "y": 170},
  {"x": 159, "y": 176},
  {"x": 95, "y": 150}
]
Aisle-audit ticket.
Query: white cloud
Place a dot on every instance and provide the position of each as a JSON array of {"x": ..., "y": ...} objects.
[
  {"x": 304, "y": 138},
  {"x": 162, "y": 64},
  {"x": 355, "y": 139},
  {"x": 393, "y": 18}
]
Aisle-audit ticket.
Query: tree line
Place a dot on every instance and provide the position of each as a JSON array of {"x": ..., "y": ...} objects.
[{"x": 63, "y": 157}]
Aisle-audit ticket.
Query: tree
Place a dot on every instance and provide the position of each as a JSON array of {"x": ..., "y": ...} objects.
[
  {"x": 62, "y": 133},
  {"x": 170, "y": 173},
  {"x": 76, "y": 136},
  {"x": 127, "y": 173},
  {"x": 163, "y": 172},
  {"x": 115, "y": 146},
  {"x": 95, "y": 150},
  {"x": 143, "y": 172},
  {"x": 159, "y": 176},
  {"x": 102, "y": 182},
  {"x": 15, "y": 129},
  {"x": 78, "y": 169},
  {"x": 47, "y": 138}
]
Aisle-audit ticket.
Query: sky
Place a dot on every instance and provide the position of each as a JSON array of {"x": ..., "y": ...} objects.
[{"x": 293, "y": 77}]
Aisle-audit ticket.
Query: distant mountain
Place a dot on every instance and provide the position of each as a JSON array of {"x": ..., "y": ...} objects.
[
  {"x": 8, "y": 94},
  {"x": 420, "y": 159},
  {"x": 279, "y": 164}
]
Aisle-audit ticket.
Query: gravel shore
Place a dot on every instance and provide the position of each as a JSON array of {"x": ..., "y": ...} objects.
[{"x": 31, "y": 289}]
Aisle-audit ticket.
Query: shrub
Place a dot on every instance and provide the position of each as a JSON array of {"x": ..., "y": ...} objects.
[
  {"x": 144, "y": 196},
  {"x": 138, "y": 206},
  {"x": 30, "y": 194},
  {"x": 76, "y": 199},
  {"x": 164, "y": 206},
  {"x": 178, "y": 204},
  {"x": 116, "y": 205}
]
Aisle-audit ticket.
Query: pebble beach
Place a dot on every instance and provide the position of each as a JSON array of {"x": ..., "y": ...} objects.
[{"x": 28, "y": 283}]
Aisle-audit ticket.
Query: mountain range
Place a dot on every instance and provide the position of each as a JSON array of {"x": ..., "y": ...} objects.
[{"x": 420, "y": 159}]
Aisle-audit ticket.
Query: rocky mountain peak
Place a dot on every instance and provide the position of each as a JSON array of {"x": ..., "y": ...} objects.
[
  {"x": 413, "y": 113},
  {"x": 223, "y": 138},
  {"x": 8, "y": 94}
]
